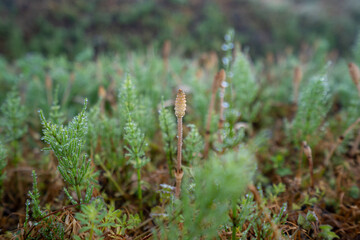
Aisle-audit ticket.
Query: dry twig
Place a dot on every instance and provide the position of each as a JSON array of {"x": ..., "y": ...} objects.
[
  {"x": 165, "y": 54},
  {"x": 216, "y": 84},
  {"x": 298, "y": 75}
]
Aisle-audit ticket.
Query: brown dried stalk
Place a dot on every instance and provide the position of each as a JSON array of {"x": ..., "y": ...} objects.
[
  {"x": 297, "y": 77},
  {"x": 165, "y": 54},
  {"x": 48, "y": 84},
  {"x": 355, "y": 75},
  {"x": 102, "y": 95},
  {"x": 307, "y": 152},
  {"x": 221, "y": 80},
  {"x": 214, "y": 89},
  {"x": 212, "y": 61},
  {"x": 180, "y": 108}
]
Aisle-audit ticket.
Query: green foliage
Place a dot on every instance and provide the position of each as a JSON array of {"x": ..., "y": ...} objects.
[
  {"x": 212, "y": 24},
  {"x": 275, "y": 190},
  {"x": 354, "y": 192},
  {"x": 67, "y": 142},
  {"x": 245, "y": 87},
  {"x": 56, "y": 115},
  {"x": 278, "y": 163},
  {"x": 91, "y": 218},
  {"x": 130, "y": 105},
  {"x": 356, "y": 49},
  {"x": 217, "y": 181},
  {"x": 193, "y": 145},
  {"x": 136, "y": 145},
  {"x": 136, "y": 151},
  {"x": 117, "y": 130},
  {"x": 129, "y": 98},
  {"x": 13, "y": 122},
  {"x": 103, "y": 133},
  {"x": 96, "y": 219},
  {"x": 181, "y": 21},
  {"x": 310, "y": 221},
  {"x": 326, "y": 233},
  {"x": 53, "y": 230},
  {"x": 281, "y": 76},
  {"x": 231, "y": 136},
  {"x": 13, "y": 117},
  {"x": 50, "y": 228},
  {"x": 249, "y": 212},
  {"x": 307, "y": 221},
  {"x": 168, "y": 131},
  {"x": 312, "y": 110},
  {"x": 35, "y": 199}
]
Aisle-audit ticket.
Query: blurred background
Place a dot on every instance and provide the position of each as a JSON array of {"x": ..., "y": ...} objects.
[{"x": 67, "y": 27}]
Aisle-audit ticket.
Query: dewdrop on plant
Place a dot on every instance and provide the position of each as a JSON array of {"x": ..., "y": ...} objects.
[{"x": 180, "y": 104}]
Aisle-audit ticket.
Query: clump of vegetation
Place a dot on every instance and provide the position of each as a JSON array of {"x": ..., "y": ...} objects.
[
  {"x": 13, "y": 123},
  {"x": 98, "y": 221},
  {"x": 234, "y": 171},
  {"x": 215, "y": 183},
  {"x": 312, "y": 109},
  {"x": 168, "y": 131},
  {"x": 193, "y": 145},
  {"x": 245, "y": 88},
  {"x": 136, "y": 152},
  {"x": 67, "y": 143}
]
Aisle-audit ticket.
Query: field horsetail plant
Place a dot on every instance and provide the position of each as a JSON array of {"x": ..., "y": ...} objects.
[
  {"x": 67, "y": 143},
  {"x": 180, "y": 108},
  {"x": 136, "y": 152}
]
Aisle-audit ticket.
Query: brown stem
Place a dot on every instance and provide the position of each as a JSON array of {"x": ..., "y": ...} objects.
[
  {"x": 178, "y": 177},
  {"x": 355, "y": 75},
  {"x": 222, "y": 118},
  {"x": 296, "y": 83},
  {"x": 307, "y": 152},
  {"x": 165, "y": 54},
  {"x": 180, "y": 108},
  {"x": 179, "y": 173},
  {"x": 221, "y": 81},
  {"x": 218, "y": 79},
  {"x": 179, "y": 145},
  {"x": 48, "y": 84},
  {"x": 208, "y": 121},
  {"x": 102, "y": 95}
]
